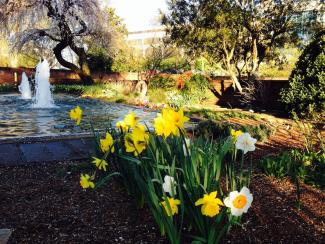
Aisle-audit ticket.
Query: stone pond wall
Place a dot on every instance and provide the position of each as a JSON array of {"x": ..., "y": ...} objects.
[{"x": 223, "y": 84}]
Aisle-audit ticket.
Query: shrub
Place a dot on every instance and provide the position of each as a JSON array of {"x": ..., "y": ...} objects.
[
  {"x": 7, "y": 88},
  {"x": 159, "y": 81},
  {"x": 99, "y": 60},
  {"x": 193, "y": 90},
  {"x": 306, "y": 91}
]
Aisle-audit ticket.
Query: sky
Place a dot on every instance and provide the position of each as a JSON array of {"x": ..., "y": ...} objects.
[{"x": 138, "y": 14}]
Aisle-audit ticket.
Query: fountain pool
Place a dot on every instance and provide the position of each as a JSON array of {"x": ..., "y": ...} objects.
[{"x": 18, "y": 118}]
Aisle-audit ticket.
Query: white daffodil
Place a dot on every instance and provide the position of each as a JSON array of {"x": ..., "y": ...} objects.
[
  {"x": 239, "y": 202},
  {"x": 246, "y": 143},
  {"x": 187, "y": 144},
  {"x": 169, "y": 185}
]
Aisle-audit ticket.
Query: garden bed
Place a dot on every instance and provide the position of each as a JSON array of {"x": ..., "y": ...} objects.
[{"x": 45, "y": 204}]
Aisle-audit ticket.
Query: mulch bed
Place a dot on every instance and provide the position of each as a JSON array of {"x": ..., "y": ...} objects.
[{"x": 45, "y": 204}]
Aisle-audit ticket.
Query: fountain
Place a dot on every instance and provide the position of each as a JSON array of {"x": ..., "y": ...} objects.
[
  {"x": 43, "y": 96},
  {"x": 24, "y": 87}
]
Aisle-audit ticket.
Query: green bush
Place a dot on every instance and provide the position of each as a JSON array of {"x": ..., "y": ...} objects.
[
  {"x": 195, "y": 91},
  {"x": 99, "y": 60},
  {"x": 7, "y": 88},
  {"x": 164, "y": 82},
  {"x": 306, "y": 92}
]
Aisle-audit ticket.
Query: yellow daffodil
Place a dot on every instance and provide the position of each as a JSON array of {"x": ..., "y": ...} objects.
[
  {"x": 136, "y": 141},
  {"x": 100, "y": 163},
  {"x": 162, "y": 127},
  {"x": 76, "y": 114},
  {"x": 85, "y": 181},
  {"x": 169, "y": 122},
  {"x": 179, "y": 118},
  {"x": 235, "y": 134},
  {"x": 107, "y": 143},
  {"x": 239, "y": 202},
  {"x": 131, "y": 120},
  {"x": 121, "y": 125},
  {"x": 172, "y": 209},
  {"x": 210, "y": 204}
]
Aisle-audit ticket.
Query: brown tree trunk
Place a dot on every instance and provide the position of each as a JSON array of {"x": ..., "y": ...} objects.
[{"x": 83, "y": 71}]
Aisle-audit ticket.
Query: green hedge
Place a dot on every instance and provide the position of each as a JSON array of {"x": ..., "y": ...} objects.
[{"x": 306, "y": 92}]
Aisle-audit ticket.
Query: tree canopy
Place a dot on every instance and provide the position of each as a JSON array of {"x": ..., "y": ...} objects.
[
  {"x": 239, "y": 34},
  {"x": 57, "y": 24}
]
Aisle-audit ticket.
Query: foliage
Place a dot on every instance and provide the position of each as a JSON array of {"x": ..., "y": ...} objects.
[
  {"x": 177, "y": 63},
  {"x": 193, "y": 90},
  {"x": 240, "y": 34},
  {"x": 57, "y": 25},
  {"x": 114, "y": 92},
  {"x": 70, "y": 89},
  {"x": 221, "y": 115},
  {"x": 177, "y": 178},
  {"x": 308, "y": 166},
  {"x": 221, "y": 129},
  {"x": 162, "y": 81},
  {"x": 99, "y": 60},
  {"x": 306, "y": 91},
  {"x": 7, "y": 88}
]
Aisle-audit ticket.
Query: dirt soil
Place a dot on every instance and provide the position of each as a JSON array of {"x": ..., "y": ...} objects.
[{"x": 45, "y": 204}]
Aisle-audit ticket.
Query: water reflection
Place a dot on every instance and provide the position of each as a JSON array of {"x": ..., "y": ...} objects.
[{"x": 18, "y": 118}]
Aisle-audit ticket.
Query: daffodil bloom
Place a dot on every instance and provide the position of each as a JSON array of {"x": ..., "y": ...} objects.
[
  {"x": 169, "y": 185},
  {"x": 169, "y": 122},
  {"x": 172, "y": 209},
  {"x": 76, "y": 114},
  {"x": 100, "y": 163},
  {"x": 107, "y": 143},
  {"x": 131, "y": 120},
  {"x": 239, "y": 202},
  {"x": 179, "y": 118},
  {"x": 85, "y": 181},
  {"x": 121, "y": 125},
  {"x": 246, "y": 143},
  {"x": 210, "y": 204},
  {"x": 162, "y": 127},
  {"x": 136, "y": 141},
  {"x": 235, "y": 134}
]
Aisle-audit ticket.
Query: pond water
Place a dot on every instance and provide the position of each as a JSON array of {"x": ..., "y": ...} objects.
[{"x": 19, "y": 119}]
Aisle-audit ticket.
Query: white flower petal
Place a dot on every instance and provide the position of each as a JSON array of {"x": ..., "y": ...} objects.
[
  {"x": 233, "y": 195},
  {"x": 245, "y": 191},
  {"x": 227, "y": 202},
  {"x": 236, "y": 211}
]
